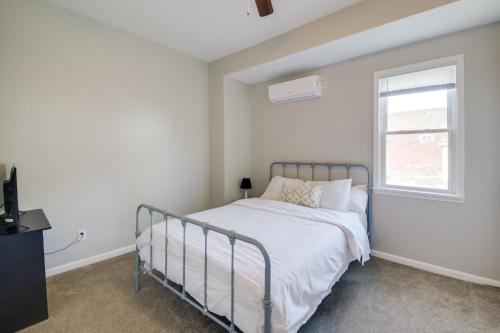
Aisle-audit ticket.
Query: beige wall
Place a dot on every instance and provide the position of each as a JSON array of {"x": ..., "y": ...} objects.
[
  {"x": 339, "y": 126},
  {"x": 349, "y": 21},
  {"x": 237, "y": 137},
  {"x": 98, "y": 121}
]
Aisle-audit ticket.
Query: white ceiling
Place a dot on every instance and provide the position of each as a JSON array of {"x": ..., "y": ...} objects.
[{"x": 205, "y": 29}]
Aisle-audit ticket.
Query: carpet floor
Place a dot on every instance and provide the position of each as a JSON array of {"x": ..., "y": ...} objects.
[{"x": 378, "y": 297}]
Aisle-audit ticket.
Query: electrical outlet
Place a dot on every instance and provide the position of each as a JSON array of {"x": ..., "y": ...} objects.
[{"x": 82, "y": 234}]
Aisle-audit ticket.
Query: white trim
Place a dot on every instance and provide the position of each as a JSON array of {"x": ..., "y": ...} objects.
[
  {"x": 379, "y": 254},
  {"x": 420, "y": 66},
  {"x": 419, "y": 194},
  {"x": 436, "y": 269},
  {"x": 457, "y": 136},
  {"x": 88, "y": 261}
]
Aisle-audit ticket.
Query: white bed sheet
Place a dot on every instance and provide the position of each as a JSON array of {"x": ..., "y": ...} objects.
[{"x": 309, "y": 249}]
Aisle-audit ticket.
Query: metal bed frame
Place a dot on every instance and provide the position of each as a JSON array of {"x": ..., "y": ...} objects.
[
  {"x": 347, "y": 166},
  {"x": 232, "y": 238}
]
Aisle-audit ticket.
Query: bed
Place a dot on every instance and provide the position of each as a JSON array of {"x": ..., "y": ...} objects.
[{"x": 220, "y": 260}]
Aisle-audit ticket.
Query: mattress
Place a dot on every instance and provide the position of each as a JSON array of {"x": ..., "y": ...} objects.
[{"x": 309, "y": 250}]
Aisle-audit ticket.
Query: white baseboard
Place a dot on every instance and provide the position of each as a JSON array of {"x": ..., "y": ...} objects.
[
  {"x": 88, "y": 261},
  {"x": 379, "y": 254},
  {"x": 436, "y": 269}
]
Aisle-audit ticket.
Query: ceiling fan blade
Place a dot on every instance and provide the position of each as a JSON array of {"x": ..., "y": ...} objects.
[{"x": 265, "y": 7}]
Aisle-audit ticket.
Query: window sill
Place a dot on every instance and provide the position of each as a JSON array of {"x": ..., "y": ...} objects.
[{"x": 420, "y": 194}]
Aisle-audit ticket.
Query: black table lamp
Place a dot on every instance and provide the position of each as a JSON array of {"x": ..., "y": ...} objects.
[{"x": 246, "y": 185}]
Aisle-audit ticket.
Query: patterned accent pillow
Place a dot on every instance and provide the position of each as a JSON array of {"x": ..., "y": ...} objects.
[{"x": 304, "y": 195}]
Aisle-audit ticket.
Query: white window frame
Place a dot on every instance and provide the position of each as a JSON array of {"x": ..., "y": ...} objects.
[{"x": 456, "y": 192}]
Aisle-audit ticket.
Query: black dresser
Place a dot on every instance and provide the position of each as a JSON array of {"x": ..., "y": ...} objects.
[{"x": 23, "y": 295}]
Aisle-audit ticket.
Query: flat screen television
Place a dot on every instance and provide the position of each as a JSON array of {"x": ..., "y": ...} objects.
[
  {"x": 10, "y": 197},
  {"x": 3, "y": 176}
]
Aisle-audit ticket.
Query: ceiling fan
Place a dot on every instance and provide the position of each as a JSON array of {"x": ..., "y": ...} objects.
[{"x": 265, "y": 7}]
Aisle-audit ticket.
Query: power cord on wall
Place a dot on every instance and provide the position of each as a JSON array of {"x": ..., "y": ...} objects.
[{"x": 80, "y": 238}]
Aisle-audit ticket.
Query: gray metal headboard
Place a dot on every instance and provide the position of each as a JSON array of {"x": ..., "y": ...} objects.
[{"x": 330, "y": 166}]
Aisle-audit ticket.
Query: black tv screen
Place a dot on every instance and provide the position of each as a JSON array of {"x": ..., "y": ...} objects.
[{"x": 10, "y": 197}]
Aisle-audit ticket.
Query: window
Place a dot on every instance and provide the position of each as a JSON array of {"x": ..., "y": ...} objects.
[{"x": 419, "y": 130}]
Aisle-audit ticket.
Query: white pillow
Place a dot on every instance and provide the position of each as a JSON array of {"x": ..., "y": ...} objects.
[
  {"x": 335, "y": 193},
  {"x": 358, "y": 198},
  {"x": 273, "y": 190}
]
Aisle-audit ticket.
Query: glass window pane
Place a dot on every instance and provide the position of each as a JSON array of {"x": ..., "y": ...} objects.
[
  {"x": 417, "y": 160},
  {"x": 426, "y": 110}
]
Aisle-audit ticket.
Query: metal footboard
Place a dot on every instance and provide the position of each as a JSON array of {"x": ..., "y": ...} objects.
[{"x": 205, "y": 228}]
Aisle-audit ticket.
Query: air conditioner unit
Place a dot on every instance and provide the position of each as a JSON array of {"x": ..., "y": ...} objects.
[{"x": 295, "y": 90}]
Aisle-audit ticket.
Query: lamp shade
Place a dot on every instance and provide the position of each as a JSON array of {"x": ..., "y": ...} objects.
[{"x": 246, "y": 184}]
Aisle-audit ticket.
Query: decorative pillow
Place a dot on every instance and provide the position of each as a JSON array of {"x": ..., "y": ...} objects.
[
  {"x": 358, "y": 198},
  {"x": 303, "y": 195},
  {"x": 335, "y": 193},
  {"x": 273, "y": 190}
]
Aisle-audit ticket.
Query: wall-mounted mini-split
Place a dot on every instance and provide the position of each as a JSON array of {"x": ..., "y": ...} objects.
[{"x": 296, "y": 90}]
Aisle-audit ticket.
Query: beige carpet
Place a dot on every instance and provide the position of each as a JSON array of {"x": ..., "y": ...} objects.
[{"x": 379, "y": 297}]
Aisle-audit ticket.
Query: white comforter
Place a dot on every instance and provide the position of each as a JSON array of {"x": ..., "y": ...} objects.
[{"x": 309, "y": 251}]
